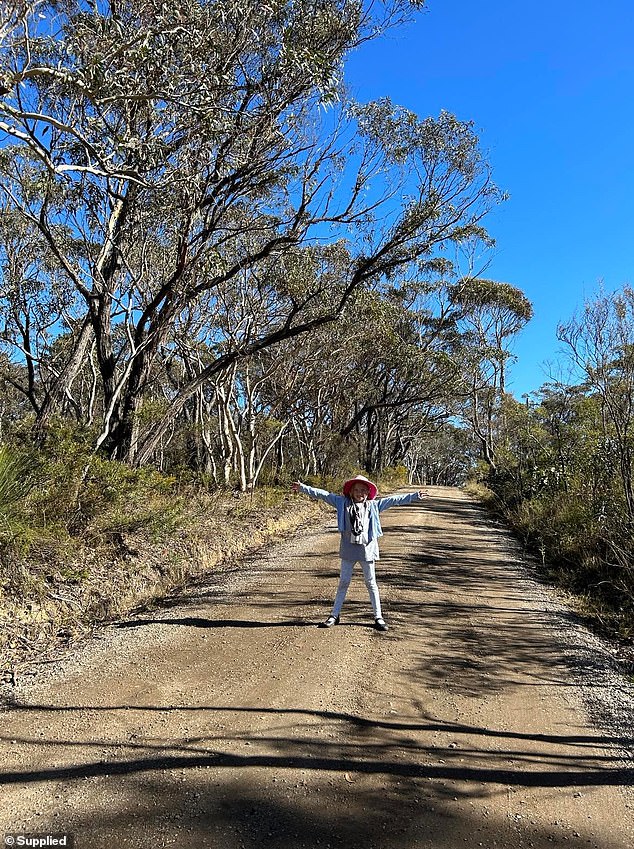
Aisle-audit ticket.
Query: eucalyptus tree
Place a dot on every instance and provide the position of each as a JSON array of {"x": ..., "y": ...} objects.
[
  {"x": 404, "y": 368},
  {"x": 442, "y": 456},
  {"x": 408, "y": 235},
  {"x": 364, "y": 385},
  {"x": 600, "y": 340},
  {"x": 14, "y": 406},
  {"x": 23, "y": 315},
  {"x": 37, "y": 306},
  {"x": 314, "y": 385},
  {"x": 488, "y": 314},
  {"x": 162, "y": 151}
]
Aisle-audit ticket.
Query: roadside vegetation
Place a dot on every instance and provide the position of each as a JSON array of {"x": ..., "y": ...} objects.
[{"x": 562, "y": 469}]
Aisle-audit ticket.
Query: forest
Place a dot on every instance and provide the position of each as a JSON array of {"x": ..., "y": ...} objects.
[{"x": 219, "y": 273}]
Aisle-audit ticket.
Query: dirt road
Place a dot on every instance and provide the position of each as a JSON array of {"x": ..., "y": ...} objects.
[{"x": 485, "y": 717}]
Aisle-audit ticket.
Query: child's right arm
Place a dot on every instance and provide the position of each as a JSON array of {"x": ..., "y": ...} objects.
[{"x": 313, "y": 492}]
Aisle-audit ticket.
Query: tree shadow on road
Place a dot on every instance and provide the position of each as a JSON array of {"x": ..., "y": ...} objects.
[
  {"x": 367, "y": 745},
  {"x": 252, "y": 813},
  {"x": 308, "y": 778},
  {"x": 464, "y": 595},
  {"x": 203, "y": 622}
]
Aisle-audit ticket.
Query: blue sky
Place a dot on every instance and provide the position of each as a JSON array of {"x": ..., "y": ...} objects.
[{"x": 550, "y": 89}]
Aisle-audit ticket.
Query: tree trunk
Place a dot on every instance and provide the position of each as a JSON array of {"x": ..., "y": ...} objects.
[{"x": 60, "y": 388}]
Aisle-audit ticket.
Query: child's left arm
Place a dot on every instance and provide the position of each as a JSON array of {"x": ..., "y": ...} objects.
[{"x": 397, "y": 500}]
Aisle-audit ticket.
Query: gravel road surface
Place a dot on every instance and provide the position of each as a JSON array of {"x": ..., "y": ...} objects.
[{"x": 486, "y": 717}]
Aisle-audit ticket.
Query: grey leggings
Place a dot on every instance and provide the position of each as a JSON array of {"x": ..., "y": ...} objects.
[{"x": 347, "y": 567}]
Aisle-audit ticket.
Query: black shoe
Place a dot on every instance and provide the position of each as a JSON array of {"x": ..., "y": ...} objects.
[
  {"x": 380, "y": 624},
  {"x": 332, "y": 620}
]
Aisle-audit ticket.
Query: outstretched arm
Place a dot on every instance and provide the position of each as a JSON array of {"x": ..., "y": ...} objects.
[
  {"x": 397, "y": 500},
  {"x": 313, "y": 492}
]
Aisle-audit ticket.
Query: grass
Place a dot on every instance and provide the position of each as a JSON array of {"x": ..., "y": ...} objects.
[{"x": 571, "y": 552}]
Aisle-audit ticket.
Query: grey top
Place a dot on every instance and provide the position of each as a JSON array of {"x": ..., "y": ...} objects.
[{"x": 354, "y": 551}]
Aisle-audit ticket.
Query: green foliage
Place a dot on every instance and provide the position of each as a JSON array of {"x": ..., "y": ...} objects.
[
  {"x": 17, "y": 478},
  {"x": 558, "y": 480},
  {"x": 393, "y": 477},
  {"x": 20, "y": 474},
  {"x": 61, "y": 497},
  {"x": 473, "y": 293}
]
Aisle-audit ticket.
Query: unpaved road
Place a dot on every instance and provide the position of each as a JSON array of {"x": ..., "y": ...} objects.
[{"x": 227, "y": 719}]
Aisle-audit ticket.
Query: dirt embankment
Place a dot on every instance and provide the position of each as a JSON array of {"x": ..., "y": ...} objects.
[
  {"x": 486, "y": 716},
  {"x": 58, "y": 603}
]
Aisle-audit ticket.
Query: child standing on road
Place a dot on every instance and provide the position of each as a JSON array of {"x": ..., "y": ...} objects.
[{"x": 360, "y": 527}]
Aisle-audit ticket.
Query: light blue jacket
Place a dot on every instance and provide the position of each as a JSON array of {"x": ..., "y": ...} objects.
[{"x": 377, "y": 505}]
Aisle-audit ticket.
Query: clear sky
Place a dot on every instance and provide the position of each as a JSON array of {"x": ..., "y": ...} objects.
[{"x": 550, "y": 89}]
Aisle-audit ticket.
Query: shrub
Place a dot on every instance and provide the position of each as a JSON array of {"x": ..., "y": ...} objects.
[{"x": 18, "y": 476}]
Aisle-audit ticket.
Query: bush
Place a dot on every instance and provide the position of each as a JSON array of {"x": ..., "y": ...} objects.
[
  {"x": 17, "y": 478},
  {"x": 59, "y": 500},
  {"x": 394, "y": 477},
  {"x": 588, "y": 555}
]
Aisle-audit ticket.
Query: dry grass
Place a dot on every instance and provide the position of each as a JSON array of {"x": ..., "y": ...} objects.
[{"x": 63, "y": 603}]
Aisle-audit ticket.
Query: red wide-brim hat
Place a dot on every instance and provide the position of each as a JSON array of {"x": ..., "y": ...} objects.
[{"x": 373, "y": 489}]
